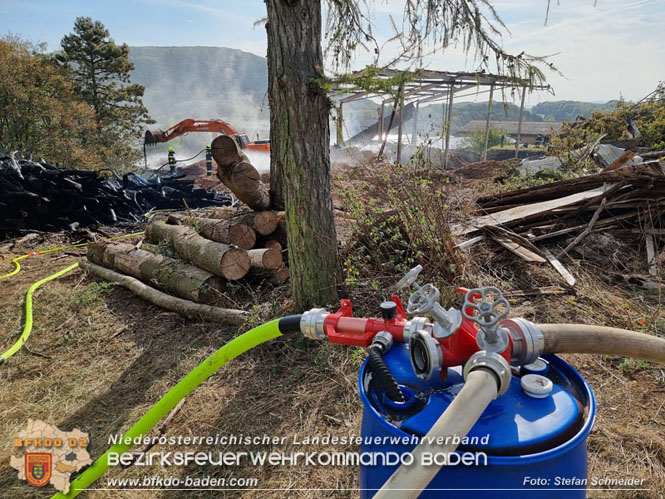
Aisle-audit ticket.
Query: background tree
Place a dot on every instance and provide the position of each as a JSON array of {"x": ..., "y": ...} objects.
[
  {"x": 299, "y": 107},
  {"x": 101, "y": 70},
  {"x": 475, "y": 140},
  {"x": 40, "y": 112}
]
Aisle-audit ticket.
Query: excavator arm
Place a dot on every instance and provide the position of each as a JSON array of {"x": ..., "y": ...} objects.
[
  {"x": 215, "y": 126},
  {"x": 189, "y": 125}
]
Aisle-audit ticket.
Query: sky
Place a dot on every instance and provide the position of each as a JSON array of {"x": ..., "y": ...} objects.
[{"x": 615, "y": 48}]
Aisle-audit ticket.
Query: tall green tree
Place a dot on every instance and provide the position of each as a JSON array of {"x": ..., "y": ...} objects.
[
  {"x": 101, "y": 70},
  {"x": 299, "y": 106},
  {"x": 40, "y": 112}
]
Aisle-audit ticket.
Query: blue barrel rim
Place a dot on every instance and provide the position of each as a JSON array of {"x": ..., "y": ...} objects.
[{"x": 577, "y": 439}]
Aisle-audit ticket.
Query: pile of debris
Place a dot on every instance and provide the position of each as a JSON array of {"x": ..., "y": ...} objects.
[
  {"x": 39, "y": 196},
  {"x": 628, "y": 200}
]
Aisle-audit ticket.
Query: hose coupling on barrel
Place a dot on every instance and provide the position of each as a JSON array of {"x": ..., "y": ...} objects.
[
  {"x": 384, "y": 339},
  {"x": 494, "y": 363},
  {"x": 527, "y": 338}
]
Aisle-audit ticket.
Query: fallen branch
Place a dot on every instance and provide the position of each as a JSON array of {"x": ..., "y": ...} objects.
[
  {"x": 183, "y": 307},
  {"x": 586, "y": 231}
]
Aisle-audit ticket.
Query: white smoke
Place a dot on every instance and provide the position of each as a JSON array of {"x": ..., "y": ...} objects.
[{"x": 260, "y": 160}]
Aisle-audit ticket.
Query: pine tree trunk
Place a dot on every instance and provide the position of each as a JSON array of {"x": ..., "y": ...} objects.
[{"x": 299, "y": 148}]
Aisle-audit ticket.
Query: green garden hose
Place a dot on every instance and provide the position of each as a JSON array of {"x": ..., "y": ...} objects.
[
  {"x": 198, "y": 375},
  {"x": 28, "y": 312}
]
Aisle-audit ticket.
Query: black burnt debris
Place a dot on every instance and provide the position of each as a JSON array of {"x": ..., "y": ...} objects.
[{"x": 35, "y": 195}]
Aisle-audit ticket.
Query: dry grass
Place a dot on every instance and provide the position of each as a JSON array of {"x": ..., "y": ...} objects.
[{"x": 111, "y": 356}]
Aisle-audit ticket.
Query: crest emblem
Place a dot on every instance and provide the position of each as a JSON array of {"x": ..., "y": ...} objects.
[{"x": 38, "y": 468}]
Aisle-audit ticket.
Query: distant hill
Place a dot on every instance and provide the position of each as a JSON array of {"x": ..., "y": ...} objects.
[
  {"x": 229, "y": 84},
  {"x": 203, "y": 83},
  {"x": 570, "y": 109}
]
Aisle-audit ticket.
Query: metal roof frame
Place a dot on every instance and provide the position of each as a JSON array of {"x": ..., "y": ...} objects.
[{"x": 431, "y": 86}]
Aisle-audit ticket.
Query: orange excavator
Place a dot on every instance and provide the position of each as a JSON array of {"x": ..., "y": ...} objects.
[{"x": 215, "y": 126}]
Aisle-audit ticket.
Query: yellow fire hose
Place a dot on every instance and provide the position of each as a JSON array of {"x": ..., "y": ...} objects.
[
  {"x": 198, "y": 375},
  {"x": 17, "y": 266},
  {"x": 27, "y": 328}
]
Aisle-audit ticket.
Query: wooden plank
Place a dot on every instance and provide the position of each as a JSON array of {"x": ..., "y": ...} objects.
[
  {"x": 519, "y": 245},
  {"x": 545, "y": 290},
  {"x": 620, "y": 161},
  {"x": 526, "y": 211},
  {"x": 602, "y": 223},
  {"x": 560, "y": 268},
  {"x": 651, "y": 255},
  {"x": 639, "y": 174},
  {"x": 469, "y": 242},
  {"x": 519, "y": 250},
  {"x": 586, "y": 231}
]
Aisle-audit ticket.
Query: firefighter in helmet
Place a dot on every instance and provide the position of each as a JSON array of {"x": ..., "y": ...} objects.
[
  {"x": 208, "y": 161},
  {"x": 171, "y": 160}
]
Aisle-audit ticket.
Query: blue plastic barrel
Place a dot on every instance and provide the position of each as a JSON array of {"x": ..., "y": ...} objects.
[{"x": 521, "y": 446}]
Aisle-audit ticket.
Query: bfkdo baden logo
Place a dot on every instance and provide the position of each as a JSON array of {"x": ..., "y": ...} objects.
[
  {"x": 38, "y": 468},
  {"x": 49, "y": 455}
]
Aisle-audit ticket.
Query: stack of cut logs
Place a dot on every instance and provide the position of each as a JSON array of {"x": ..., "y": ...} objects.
[{"x": 225, "y": 246}]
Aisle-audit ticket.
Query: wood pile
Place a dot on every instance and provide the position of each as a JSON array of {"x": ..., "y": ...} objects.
[
  {"x": 205, "y": 251},
  {"x": 39, "y": 196},
  {"x": 627, "y": 200},
  {"x": 225, "y": 246}
]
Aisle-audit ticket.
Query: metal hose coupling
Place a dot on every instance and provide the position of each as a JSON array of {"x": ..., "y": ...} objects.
[
  {"x": 528, "y": 340},
  {"x": 311, "y": 323},
  {"x": 494, "y": 363}
]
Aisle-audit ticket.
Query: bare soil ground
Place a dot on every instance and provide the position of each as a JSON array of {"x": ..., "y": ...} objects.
[{"x": 99, "y": 358}]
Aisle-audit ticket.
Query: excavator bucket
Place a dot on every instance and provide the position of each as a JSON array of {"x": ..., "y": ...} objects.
[{"x": 153, "y": 137}]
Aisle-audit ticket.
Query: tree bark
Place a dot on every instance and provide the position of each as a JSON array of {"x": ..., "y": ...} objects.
[
  {"x": 178, "y": 305},
  {"x": 238, "y": 174},
  {"x": 223, "y": 231},
  {"x": 218, "y": 258},
  {"x": 300, "y": 149},
  {"x": 171, "y": 275}
]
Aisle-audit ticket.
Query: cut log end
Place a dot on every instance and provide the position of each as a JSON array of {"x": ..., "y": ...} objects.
[
  {"x": 265, "y": 222},
  {"x": 272, "y": 244},
  {"x": 242, "y": 236},
  {"x": 225, "y": 150},
  {"x": 235, "y": 264},
  {"x": 265, "y": 258},
  {"x": 281, "y": 274}
]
